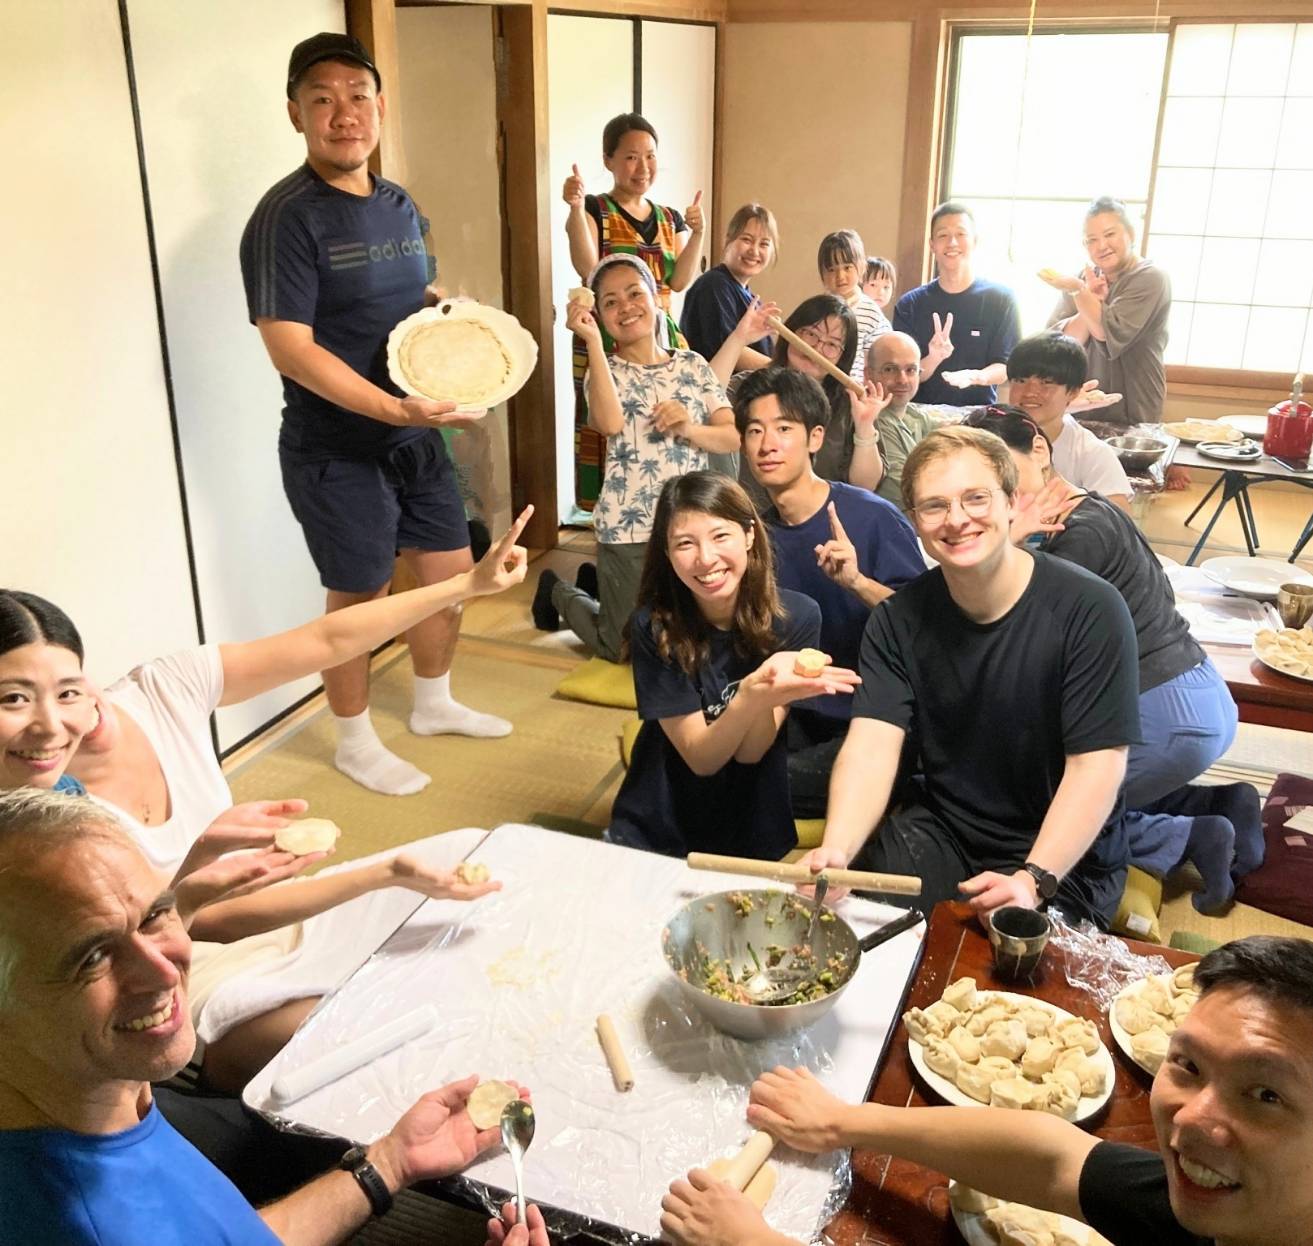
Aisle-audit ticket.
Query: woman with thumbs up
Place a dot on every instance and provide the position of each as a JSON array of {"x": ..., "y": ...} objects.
[{"x": 625, "y": 221}]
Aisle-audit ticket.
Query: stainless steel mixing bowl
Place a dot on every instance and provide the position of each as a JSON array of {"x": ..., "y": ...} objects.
[
  {"x": 1138, "y": 453},
  {"x": 720, "y": 926}
]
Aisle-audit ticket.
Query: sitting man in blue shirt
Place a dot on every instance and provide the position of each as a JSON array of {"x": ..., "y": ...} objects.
[
  {"x": 93, "y": 1008},
  {"x": 842, "y": 546}
]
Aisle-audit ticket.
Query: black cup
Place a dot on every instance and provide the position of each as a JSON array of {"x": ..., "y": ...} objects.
[{"x": 1018, "y": 936}]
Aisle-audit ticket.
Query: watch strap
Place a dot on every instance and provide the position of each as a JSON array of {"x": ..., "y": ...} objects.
[
  {"x": 356, "y": 1162},
  {"x": 1046, "y": 882}
]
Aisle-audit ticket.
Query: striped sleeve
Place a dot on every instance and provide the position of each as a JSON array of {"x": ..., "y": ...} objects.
[{"x": 279, "y": 255}]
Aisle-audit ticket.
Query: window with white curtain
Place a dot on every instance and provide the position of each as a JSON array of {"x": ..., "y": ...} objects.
[{"x": 1226, "y": 208}]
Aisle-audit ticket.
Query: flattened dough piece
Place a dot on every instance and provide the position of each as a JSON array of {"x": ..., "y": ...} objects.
[
  {"x": 486, "y": 1103},
  {"x": 307, "y": 835},
  {"x": 581, "y": 295},
  {"x": 473, "y": 872},
  {"x": 759, "y": 1189},
  {"x": 460, "y": 361}
]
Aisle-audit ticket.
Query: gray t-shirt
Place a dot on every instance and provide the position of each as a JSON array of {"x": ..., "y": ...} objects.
[{"x": 1130, "y": 359}]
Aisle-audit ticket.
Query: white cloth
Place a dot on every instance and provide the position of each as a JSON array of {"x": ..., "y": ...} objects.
[
  {"x": 171, "y": 700},
  {"x": 871, "y": 324},
  {"x": 1081, "y": 459}
]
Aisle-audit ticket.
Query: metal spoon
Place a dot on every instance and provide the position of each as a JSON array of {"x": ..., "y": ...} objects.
[
  {"x": 767, "y": 985},
  {"x": 517, "y": 1124}
]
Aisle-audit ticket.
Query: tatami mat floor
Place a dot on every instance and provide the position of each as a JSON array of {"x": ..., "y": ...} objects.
[{"x": 561, "y": 766}]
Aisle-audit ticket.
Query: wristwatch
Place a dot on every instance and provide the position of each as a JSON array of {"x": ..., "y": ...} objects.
[
  {"x": 1045, "y": 883},
  {"x": 356, "y": 1162}
]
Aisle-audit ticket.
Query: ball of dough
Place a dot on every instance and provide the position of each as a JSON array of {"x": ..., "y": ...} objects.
[
  {"x": 1004, "y": 1038},
  {"x": 810, "y": 663},
  {"x": 1078, "y": 1032},
  {"x": 473, "y": 872},
  {"x": 486, "y": 1102},
  {"x": 1134, "y": 1015},
  {"x": 966, "y": 1044},
  {"x": 1149, "y": 1048},
  {"x": 307, "y": 835},
  {"x": 1011, "y": 1092},
  {"x": 1039, "y": 1058},
  {"x": 941, "y": 1056},
  {"x": 961, "y": 994}
]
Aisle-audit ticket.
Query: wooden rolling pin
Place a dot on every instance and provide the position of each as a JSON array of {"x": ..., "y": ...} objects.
[
  {"x": 741, "y": 1169},
  {"x": 892, "y": 884},
  {"x": 815, "y": 356}
]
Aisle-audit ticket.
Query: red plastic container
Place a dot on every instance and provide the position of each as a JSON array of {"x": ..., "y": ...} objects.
[{"x": 1289, "y": 434}]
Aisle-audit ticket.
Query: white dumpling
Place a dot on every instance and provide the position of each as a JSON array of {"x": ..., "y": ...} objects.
[
  {"x": 961, "y": 994},
  {"x": 940, "y": 1056},
  {"x": 1150, "y": 1048},
  {"x": 1093, "y": 1076},
  {"x": 983, "y": 1018},
  {"x": 1154, "y": 992},
  {"x": 1061, "y": 1095},
  {"x": 972, "y": 1080},
  {"x": 1039, "y": 1058},
  {"x": 1015, "y": 1225},
  {"x": 945, "y": 1015},
  {"x": 1079, "y": 1032},
  {"x": 1134, "y": 1015},
  {"x": 966, "y": 1044},
  {"x": 1183, "y": 978},
  {"x": 919, "y": 1024},
  {"x": 1182, "y": 1004},
  {"x": 973, "y": 1202},
  {"x": 1004, "y": 1038},
  {"x": 1038, "y": 1021},
  {"x": 1011, "y": 1092},
  {"x": 1069, "y": 1058}
]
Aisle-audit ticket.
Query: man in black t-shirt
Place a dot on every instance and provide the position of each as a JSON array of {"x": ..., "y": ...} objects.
[
  {"x": 1015, "y": 674},
  {"x": 333, "y": 259},
  {"x": 1232, "y": 1110}
]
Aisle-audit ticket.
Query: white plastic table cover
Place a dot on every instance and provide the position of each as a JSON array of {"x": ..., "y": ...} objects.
[{"x": 518, "y": 980}]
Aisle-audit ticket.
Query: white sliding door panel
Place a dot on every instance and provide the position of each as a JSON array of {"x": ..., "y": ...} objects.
[
  {"x": 590, "y": 78},
  {"x": 210, "y": 77},
  {"x": 90, "y": 508},
  {"x": 679, "y": 99}
]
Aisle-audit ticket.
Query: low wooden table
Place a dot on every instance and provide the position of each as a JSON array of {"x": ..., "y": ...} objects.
[
  {"x": 1263, "y": 695},
  {"x": 896, "y": 1203}
]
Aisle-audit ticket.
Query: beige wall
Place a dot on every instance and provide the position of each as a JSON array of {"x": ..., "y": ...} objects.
[
  {"x": 809, "y": 106},
  {"x": 449, "y": 118}
]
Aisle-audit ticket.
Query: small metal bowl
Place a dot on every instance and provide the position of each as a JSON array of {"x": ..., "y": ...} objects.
[
  {"x": 1138, "y": 453},
  {"x": 720, "y": 926}
]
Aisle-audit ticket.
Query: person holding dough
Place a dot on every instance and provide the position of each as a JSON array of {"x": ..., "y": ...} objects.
[
  {"x": 148, "y": 757},
  {"x": 333, "y": 258},
  {"x": 661, "y": 412},
  {"x": 715, "y": 648},
  {"x": 625, "y": 221}
]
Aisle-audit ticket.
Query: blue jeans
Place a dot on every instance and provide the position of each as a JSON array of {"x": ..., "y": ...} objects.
[{"x": 1187, "y": 724}]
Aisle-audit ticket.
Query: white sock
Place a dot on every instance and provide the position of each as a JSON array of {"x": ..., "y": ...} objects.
[
  {"x": 362, "y": 757},
  {"x": 437, "y": 714}
]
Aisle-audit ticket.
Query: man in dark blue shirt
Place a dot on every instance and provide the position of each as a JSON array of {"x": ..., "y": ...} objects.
[
  {"x": 959, "y": 316},
  {"x": 840, "y": 545},
  {"x": 332, "y": 259}
]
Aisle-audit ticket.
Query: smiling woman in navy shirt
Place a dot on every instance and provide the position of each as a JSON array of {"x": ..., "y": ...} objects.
[{"x": 714, "y": 646}]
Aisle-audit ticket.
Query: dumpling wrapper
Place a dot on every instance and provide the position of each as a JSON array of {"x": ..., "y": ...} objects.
[
  {"x": 307, "y": 835},
  {"x": 486, "y": 1102},
  {"x": 460, "y": 360},
  {"x": 581, "y": 295}
]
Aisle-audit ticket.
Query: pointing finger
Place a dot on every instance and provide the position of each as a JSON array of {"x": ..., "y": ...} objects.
[{"x": 835, "y": 526}]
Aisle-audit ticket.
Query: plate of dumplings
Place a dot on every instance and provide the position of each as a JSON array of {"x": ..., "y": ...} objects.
[
  {"x": 1289, "y": 651},
  {"x": 987, "y": 1221},
  {"x": 1144, "y": 1015},
  {"x": 998, "y": 1049}
]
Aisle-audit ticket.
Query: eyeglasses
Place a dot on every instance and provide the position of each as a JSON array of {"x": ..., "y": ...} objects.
[
  {"x": 975, "y": 504},
  {"x": 827, "y": 346}
]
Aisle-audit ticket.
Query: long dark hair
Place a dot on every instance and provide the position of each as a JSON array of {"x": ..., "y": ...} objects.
[
  {"x": 812, "y": 311},
  {"x": 26, "y": 619},
  {"x": 682, "y": 634}
]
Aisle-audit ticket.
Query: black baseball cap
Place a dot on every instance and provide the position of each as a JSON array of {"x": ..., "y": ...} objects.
[{"x": 327, "y": 46}]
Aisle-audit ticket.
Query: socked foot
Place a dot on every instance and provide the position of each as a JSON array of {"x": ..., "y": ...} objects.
[
  {"x": 375, "y": 767},
  {"x": 453, "y": 718}
]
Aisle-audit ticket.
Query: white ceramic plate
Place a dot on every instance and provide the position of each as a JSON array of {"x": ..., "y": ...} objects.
[
  {"x": 1239, "y": 452},
  {"x": 1249, "y": 425},
  {"x": 948, "y": 1091},
  {"x": 516, "y": 340},
  {"x": 976, "y": 1230},
  {"x": 1253, "y": 577},
  {"x": 1119, "y": 1035}
]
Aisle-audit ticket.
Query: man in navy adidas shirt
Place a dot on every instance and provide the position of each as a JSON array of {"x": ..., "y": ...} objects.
[
  {"x": 842, "y": 546},
  {"x": 333, "y": 259}
]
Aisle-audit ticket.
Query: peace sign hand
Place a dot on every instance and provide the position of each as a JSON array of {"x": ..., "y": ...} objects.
[
  {"x": 941, "y": 342},
  {"x": 838, "y": 556}
]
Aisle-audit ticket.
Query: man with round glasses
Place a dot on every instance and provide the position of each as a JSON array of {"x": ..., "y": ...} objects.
[{"x": 1013, "y": 676}]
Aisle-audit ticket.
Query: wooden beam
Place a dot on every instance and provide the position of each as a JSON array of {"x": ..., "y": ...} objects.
[
  {"x": 1065, "y": 10},
  {"x": 921, "y": 145},
  {"x": 521, "y": 55},
  {"x": 374, "y": 23}
]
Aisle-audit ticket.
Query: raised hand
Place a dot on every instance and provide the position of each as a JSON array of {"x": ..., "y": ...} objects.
[
  {"x": 505, "y": 563},
  {"x": 866, "y": 409},
  {"x": 249, "y": 825},
  {"x": 755, "y": 323},
  {"x": 1040, "y": 512},
  {"x": 573, "y": 190},
  {"x": 693, "y": 214},
  {"x": 961, "y": 379},
  {"x": 701, "y": 1211},
  {"x": 941, "y": 341},
  {"x": 793, "y": 1107},
  {"x": 992, "y": 890},
  {"x": 1096, "y": 283},
  {"x": 824, "y": 858},
  {"x": 776, "y": 681},
  {"x": 241, "y": 874},
  {"x": 582, "y": 322},
  {"x": 838, "y": 557},
  {"x": 415, "y": 874},
  {"x": 671, "y": 419}
]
